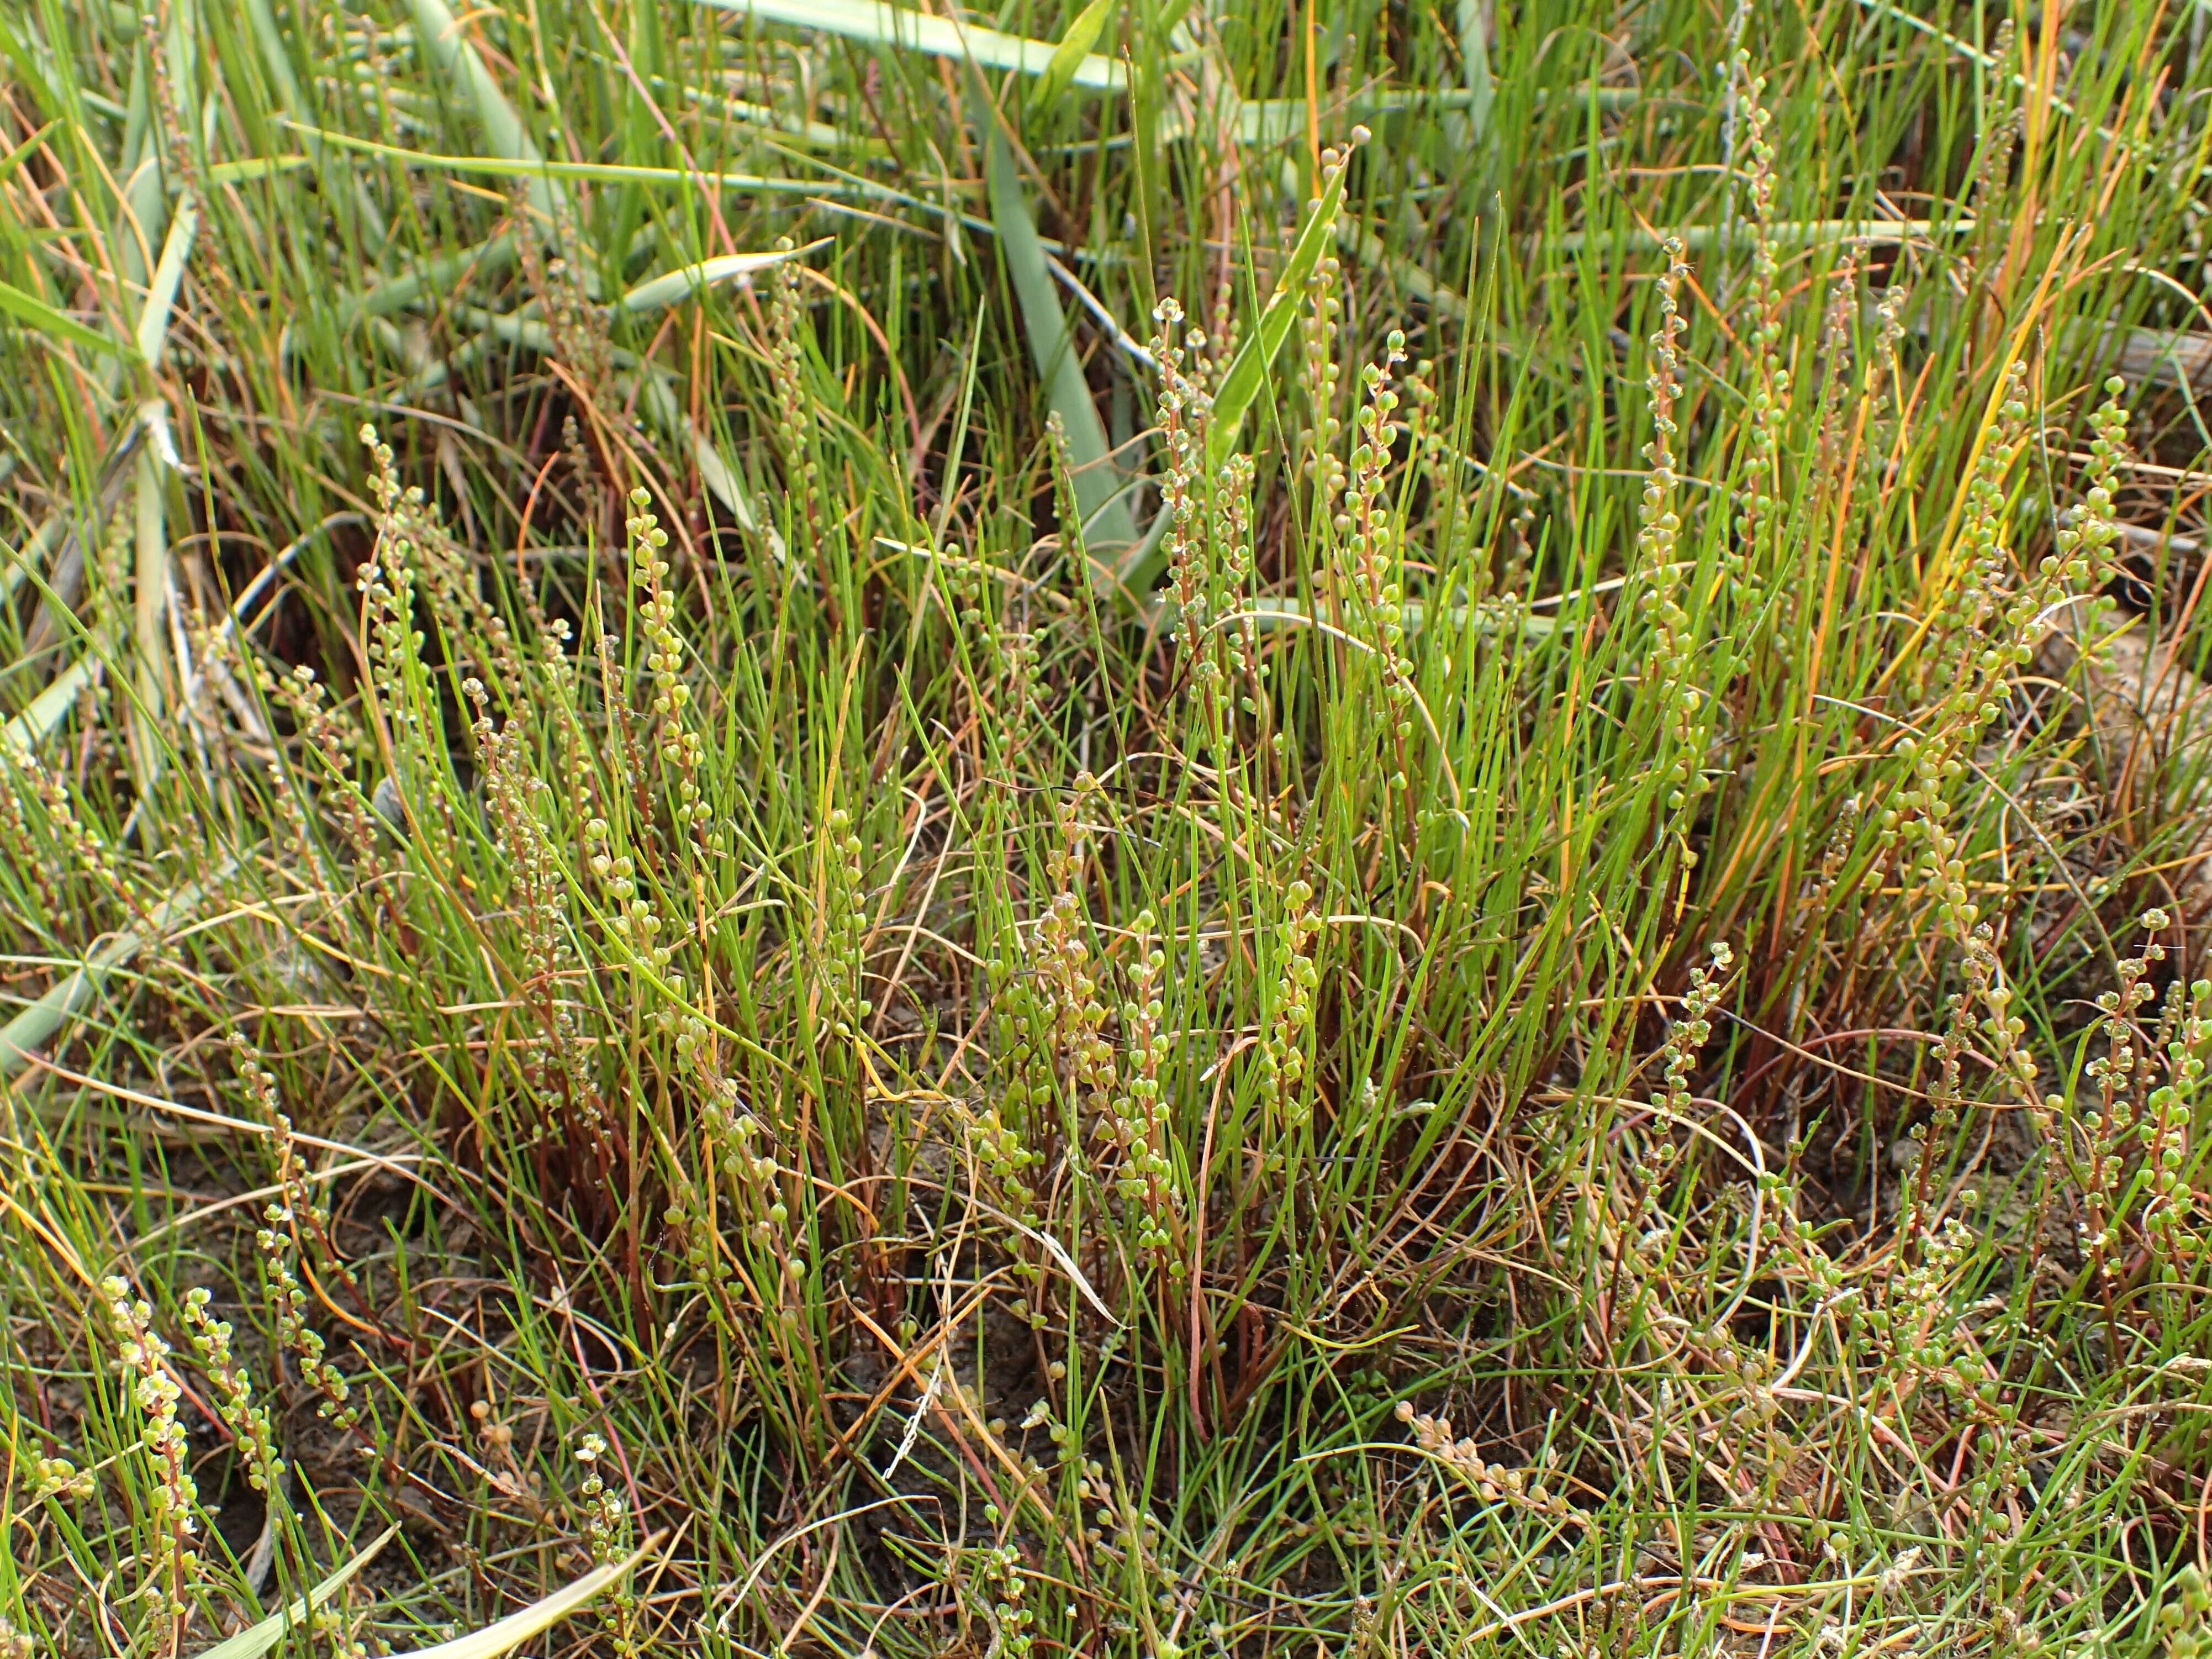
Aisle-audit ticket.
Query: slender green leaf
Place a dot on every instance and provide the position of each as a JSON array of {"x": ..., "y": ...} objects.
[
  {"x": 15, "y": 157},
  {"x": 512, "y": 1632},
  {"x": 882, "y": 25},
  {"x": 28, "y": 308},
  {"x": 257, "y": 1639},
  {"x": 672, "y": 287},
  {"x": 1073, "y": 50},
  {"x": 441, "y": 37},
  {"x": 1247, "y": 370},
  {"x": 1107, "y": 524}
]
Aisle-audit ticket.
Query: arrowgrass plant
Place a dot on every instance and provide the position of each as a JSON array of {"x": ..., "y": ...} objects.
[{"x": 1108, "y": 830}]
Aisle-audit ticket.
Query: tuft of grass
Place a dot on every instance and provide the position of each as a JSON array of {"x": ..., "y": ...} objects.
[{"x": 1106, "y": 830}]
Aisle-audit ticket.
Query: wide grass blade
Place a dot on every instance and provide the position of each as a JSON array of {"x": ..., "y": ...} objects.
[
  {"x": 440, "y": 36},
  {"x": 512, "y": 1632},
  {"x": 29, "y": 309},
  {"x": 22, "y": 736},
  {"x": 1073, "y": 50},
  {"x": 34, "y": 1028},
  {"x": 672, "y": 286},
  {"x": 149, "y": 600},
  {"x": 168, "y": 277},
  {"x": 1109, "y": 527},
  {"x": 257, "y": 1639},
  {"x": 891, "y": 26},
  {"x": 1248, "y": 370}
]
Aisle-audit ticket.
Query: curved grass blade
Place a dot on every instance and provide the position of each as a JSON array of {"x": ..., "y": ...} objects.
[
  {"x": 1109, "y": 527},
  {"x": 443, "y": 274},
  {"x": 30, "y": 1031},
  {"x": 34, "y": 313},
  {"x": 1247, "y": 370},
  {"x": 885, "y": 25},
  {"x": 440, "y": 36},
  {"x": 672, "y": 288},
  {"x": 1073, "y": 51},
  {"x": 512, "y": 1632},
  {"x": 257, "y": 1639}
]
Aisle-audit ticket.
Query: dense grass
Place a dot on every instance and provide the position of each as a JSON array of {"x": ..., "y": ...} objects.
[{"x": 1019, "y": 944}]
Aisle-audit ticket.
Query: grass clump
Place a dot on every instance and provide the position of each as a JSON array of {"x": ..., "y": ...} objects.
[{"x": 730, "y": 916}]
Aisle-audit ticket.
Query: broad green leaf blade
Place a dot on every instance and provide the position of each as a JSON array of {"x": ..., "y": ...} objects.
[
  {"x": 443, "y": 274},
  {"x": 884, "y": 25},
  {"x": 1474, "y": 53},
  {"x": 149, "y": 594},
  {"x": 1109, "y": 525},
  {"x": 512, "y": 1632},
  {"x": 259, "y": 166},
  {"x": 1785, "y": 233},
  {"x": 1247, "y": 370},
  {"x": 657, "y": 398},
  {"x": 1073, "y": 51},
  {"x": 33, "y": 1028},
  {"x": 15, "y": 157},
  {"x": 168, "y": 277},
  {"x": 674, "y": 286},
  {"x": 29, "y": 309},
  {"x": 21, "y": 737},
  {"x": 258, "y": 1639},
  {"x": 440, "y": 36}
]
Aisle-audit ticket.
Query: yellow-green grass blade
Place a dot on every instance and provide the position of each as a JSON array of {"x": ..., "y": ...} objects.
[
  {"x": 256, "y": 1640},
  {"x": 441, "y": 37},
  {"x": 1073, "y": 50},
  {"x": 1108, "y": 525},
  {"x": 34, "y": 313},
  {"x": 512, "y": 1632},
  {"x": 896, "y": 27}
]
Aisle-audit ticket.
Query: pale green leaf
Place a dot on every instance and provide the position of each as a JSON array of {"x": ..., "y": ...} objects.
[
  {"x": 168, "y": 277},
  {"x": 882, "y": 24},
  {"x": 1073, "y": 50},
  {"x": 29, "y": 309},
  {"x": 672, "y": 287},
  {"x": 259, "y": 166},
  {"x": 32, "y": 1028},
  {"x": 442, "y": 38},
  {"x": 21, "y": 737},
  {"x": 1107, "y": 521},
  {"x": 1248, "y": 369},
  {"x": 512, "y": 1632},
  {"x": 257, "y": 1639}
]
